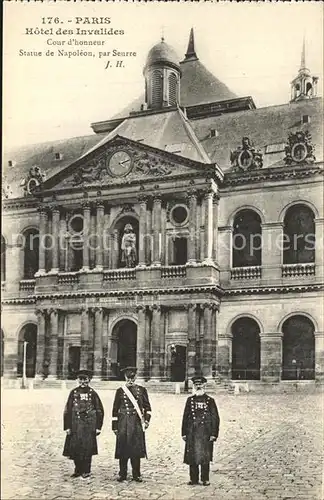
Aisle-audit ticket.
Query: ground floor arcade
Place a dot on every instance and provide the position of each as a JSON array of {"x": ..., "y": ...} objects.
[{"x": 165, "y": 343}]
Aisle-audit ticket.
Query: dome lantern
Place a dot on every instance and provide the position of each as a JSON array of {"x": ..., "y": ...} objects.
[{"x": 162, "y": 76}]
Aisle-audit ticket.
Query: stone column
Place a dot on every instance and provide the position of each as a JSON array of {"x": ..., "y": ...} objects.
[
  {"x": 63, "y": 244},
  {"x": 97, "y": 345},
  {"x": 207, "y": 360},
  {"x": 319, "y": 238},
  {"x": 99, "y": 235},
  {"x": 215, "y": 227},
  {"x": 53, "y": 344},
  {"x": 86, "y": 234},
  {"x": 106, "y": 348},
  {"x": 214, "y": 338},
  {"x": 319, "y": 356},
  {"x": 272, "y": 251},
  {"x": 43, "y": 219},
  {"x": 40, "y": 354},
  {"x": 142, "y": 231},
  {"x": 84, "y": 338},
  {"x": 162, "y": 344},
  {"x": 55, "y": 239},
  {"x": 208, "y": 202},
  {"x": 157, "y": 205},
  {"x": 271, "y": 357},
  {"x": 192, "y": 308},
  {"x": 141, "y": 347},
  {"x": 156, "y": 329},
  {"x": 147, "y": 359},
  {"x": 192, "y": 243},
  {"x": 163, "y": 254}
]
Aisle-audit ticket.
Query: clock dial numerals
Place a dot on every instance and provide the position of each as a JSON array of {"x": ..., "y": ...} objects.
[{"x": 120, "y": 164}]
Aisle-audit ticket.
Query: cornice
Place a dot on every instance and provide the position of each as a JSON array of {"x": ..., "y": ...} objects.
[
  {"x": 19, "y": 301},
  {"x": 138, "y": 292},
  {"x": 18, "y": 203},
  {"x": 273, "y": 289},
  {"x": 218, "y": 291},
  {"x": 271, "y": 174}
]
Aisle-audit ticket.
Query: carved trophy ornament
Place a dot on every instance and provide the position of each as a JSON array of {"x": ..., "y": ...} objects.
[
  {"x": 6, "y": 190},
  {"x": 299, "y": 148},
  {"x": 35, "y": 178},
  {"x": 246, "y": 157},
  {"x": 128, "y": 247}
]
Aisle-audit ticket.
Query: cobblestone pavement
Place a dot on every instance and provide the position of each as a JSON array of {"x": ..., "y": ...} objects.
[{"x": 270, "y": 447}]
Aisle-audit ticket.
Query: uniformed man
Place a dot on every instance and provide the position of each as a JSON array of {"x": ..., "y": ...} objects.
[
  {"x": 200, "y": 427},
  {"x": 83, "y": 419},
  {"x": 130, "y": 418}
]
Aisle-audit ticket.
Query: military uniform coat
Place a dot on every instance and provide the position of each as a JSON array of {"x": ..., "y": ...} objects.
[
  {"x": 83, "y": 414},
  {"x": 200, "y": 422},
  {"x": 130, "y": 442}
]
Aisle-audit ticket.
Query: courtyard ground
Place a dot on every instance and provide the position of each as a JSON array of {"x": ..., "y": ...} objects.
[{"x": 270, "y": 447}]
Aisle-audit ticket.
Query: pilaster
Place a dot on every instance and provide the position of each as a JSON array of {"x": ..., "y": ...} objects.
[
  {"x": 53, "y": 343},
  {"x": 98, "y": 334}
]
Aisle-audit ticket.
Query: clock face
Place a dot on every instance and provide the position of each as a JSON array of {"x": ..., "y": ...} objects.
[{"x": 120, "y": 163}]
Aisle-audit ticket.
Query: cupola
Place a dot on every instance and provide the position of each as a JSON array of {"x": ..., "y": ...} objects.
[
  {"x": 304, "y": 86},
  {"x": 162, "y": 77}
]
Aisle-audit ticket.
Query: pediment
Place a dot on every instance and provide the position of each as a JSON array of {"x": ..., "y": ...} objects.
[{"x": 123, "y": 161}]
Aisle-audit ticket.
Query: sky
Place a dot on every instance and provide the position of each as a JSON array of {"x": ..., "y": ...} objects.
[{"x": 254, "y": 48}]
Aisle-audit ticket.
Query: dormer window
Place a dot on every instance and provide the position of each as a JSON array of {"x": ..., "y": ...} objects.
[
  {"x": 305, "y": 119},
  {"x": 213, "y": 132},
  {"x": 58, "y": 156},
  {"x": 10, "y": 163}
]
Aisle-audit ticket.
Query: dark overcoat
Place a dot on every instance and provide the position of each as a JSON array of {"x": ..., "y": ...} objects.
[
  {"x": 200, "y": 422},
  {"x": 130, "y": 439},
  {"x": 83, "y": 414}
]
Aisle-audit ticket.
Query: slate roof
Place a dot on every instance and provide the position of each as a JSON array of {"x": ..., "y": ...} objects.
[
  {"x": 200, "y": 86},
  {"x": 43, "y": 155},
  {"x": 197, "y": 84},
  {"x": 169, "y": 131},
  {"x": 264, "y": 126}
]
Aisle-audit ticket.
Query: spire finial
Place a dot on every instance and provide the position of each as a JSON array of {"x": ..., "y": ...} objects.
[
  {"x": 162, "y": 34},
  {"x": 303, "y": 55},
  {"x": 191, "y": 53}
]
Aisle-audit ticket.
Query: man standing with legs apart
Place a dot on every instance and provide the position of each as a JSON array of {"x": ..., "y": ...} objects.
[
  {"x": 130, "y": 418},
  {"x": 200, "y": 427},
  {"x": 83, "y": 419}
]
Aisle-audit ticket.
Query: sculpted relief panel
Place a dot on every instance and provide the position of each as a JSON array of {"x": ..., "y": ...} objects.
[{"x": 120, "y": 164}]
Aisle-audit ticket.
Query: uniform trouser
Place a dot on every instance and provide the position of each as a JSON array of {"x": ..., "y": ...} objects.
[
  {"x": 136, "y": 467},
  {"x": 83, "y": 466},
  {"x": 194, "y": 472}
]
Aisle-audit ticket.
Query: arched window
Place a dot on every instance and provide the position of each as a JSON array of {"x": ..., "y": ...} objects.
[
  {"x": 157, "y": 89},
  {"x": 172, "y": 89},
  {"x": 31, "y": 253},
  {"x": 180, "y": 251},
  {"x": 299, "y": 235},
  {"x": 245, "y": 349},
  {"x": 298, "y": 348},
  {"x": 27, "y": 348},
  {"x": 247, "y": 239},
  {"x": 297, "y": 90},
  {"x": 309, "y": 89},
  {"x": 3, "y": 258}
]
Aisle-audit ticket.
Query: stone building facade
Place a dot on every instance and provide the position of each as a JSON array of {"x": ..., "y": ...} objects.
[{"x": 184, "y": 236}]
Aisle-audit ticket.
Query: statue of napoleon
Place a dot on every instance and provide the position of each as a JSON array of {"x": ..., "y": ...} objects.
[{"x": 128, "y": 247}]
